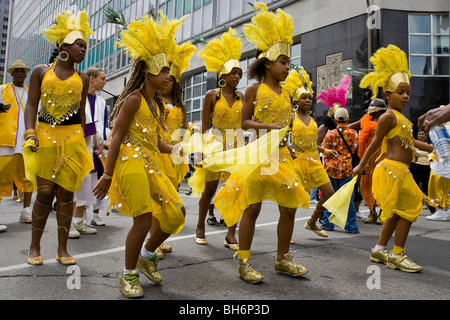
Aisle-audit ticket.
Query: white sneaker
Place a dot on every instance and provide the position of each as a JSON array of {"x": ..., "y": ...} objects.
[
  {"x": 439, "y": 215},
  {"x": 96, "y": 221},
  {"x": 73, "y": 232},
  {"x": 83, "y": 228},
  {"x": 359, "y": 215},
  {"x": 25, "y": 215},
  {"x": 313, "y": 201},
  {"x": 3, "y": 228}
]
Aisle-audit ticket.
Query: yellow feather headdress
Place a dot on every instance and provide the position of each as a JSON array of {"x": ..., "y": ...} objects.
[
  {"x": 298, "y": 83},
  {"x": 177, "y": 55},
  {"x": 69, "y": 28},
  {"x": 150, "y": 41},
  {"x": 222, "y": 55},
  {"x": 271, "y": 33},
  {"x": 391, "y": 69}
]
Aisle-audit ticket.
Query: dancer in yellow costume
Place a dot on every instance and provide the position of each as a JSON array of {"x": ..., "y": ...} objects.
[
  {"x": 175, "y": 117},
  {"x": 175, "y": 108},
  {"x": 12, "y": 128},
  {"x": 221, "y": 108},
  {"x": 55, "y": 153},
  {"x": 307, "y": 163},
  {"x": 134, "y": 173},
  {"x": 266, "y": 106},
  {"x": 394, "y": 189}
]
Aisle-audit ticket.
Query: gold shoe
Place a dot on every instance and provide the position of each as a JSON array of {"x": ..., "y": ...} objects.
[
  {"x": 320, "y": 233},
  {"x": 129, "y": 285},
  {"x": 36, "y": 261},
  {"x": 200, "y": 240},
  {"x": 372, "y": 218},
  {"x": 288, "y": 266},
  {"x": 403, "y": 263},
  {"x": 248, "y": 272},
  {"x": 160, "y": 253},
  {"x": 232, "y": 246},
  {"x": 165, "y": 248},
  {"x": 66, "y": 260},
  {"x": 379, "y": 256},
  {"x": 149, "y": 267}
]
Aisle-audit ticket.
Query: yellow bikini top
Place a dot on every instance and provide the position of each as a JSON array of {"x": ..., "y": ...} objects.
[
  {"x": 404, "y": 130},
  {"x": 144, "y": 130},
  {"x": 225, "y": 116},
  {"x": 173, "y": 121},
  {"x": 304, "y": 137},
  {"x": 271, "y": 107},
  {"x": 60, "y": 99}
]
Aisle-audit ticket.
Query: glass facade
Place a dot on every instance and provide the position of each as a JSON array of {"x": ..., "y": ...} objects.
[{"x": 429, "y": 45}]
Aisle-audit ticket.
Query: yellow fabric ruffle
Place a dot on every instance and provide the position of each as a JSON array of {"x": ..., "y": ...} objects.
[
  {"x": 139, "y": 187},
  {"x": 62, "y": 157},
  {"x": 12, "y": 169},
  {"x": 438, "y": 190},
  {"x": 339, "y": 203},
  {"x": 310, "y": 172},
  {"x": 396, "y": 192}
]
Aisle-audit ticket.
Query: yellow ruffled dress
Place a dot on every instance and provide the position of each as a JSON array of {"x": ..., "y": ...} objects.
[
  {"x": 63, "y": 157},
  {"x": 173, "y": 122},
  {"x": 224, "y": 117},
  {"x": 393, "y": 185},
  {"x": 307, "y": 165},
  {"x": 139, "y": 184},
  {"x": 272, "y": 180}
]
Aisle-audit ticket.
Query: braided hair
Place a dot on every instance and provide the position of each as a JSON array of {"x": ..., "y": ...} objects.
[{"x": 136, "y": 84}]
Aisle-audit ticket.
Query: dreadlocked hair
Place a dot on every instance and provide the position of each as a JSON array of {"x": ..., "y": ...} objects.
[
  {"x": 136, "y": 84},
  {"x": 219, "y": 92},
  {"x": 177, "y": 95},
  {"x": 54, "y": 55}
]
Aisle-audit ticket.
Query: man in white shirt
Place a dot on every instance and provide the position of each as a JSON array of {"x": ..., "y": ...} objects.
[
  {"x": 95, "y": 136},
  {"x": 12, "y": 129}
]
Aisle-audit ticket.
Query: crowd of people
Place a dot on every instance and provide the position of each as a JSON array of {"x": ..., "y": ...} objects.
[{"x": 56, "y": 142}]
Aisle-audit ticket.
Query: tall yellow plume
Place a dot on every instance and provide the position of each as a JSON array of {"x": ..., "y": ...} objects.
[
  {"x": 268, "y": 28},
  {"x": 66, "y": 22},
  {"x": 298, "y": 83},
  {"x": 221, "y": 55},
  {"x": 391, "y": 68}
]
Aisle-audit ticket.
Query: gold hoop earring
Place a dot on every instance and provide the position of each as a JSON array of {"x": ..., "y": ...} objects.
[
  {"x": 222, "y": 83},
  {"x": 60, "y": 57}
]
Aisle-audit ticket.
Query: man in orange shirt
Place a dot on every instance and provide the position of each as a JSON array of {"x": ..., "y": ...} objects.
[{"x": 340, "y": 169}]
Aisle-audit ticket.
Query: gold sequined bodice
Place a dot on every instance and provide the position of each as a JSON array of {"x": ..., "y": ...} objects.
[
  {"x": 304, "y": 137},
  {"x": 403, "y": 130},
  {"x": 225, "y": 116},
  {"x": 173, "y": 121},
  {"x": 60, "y": 99},
  {"x": 144, "y": 129},
  {"x": 271, "y": 107}
]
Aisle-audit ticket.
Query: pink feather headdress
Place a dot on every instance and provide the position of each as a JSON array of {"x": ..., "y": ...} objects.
[{"x": 335, "y": 97}]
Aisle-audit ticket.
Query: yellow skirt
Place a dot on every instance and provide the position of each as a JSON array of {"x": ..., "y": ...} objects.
[
  {"x": 139, "y": 186},
  {"x": 310, "y": 172},
  {"x": 62, "y": 157},
  {"x": 396, "y": 192},
  {"x": 438, "y": 190},
  {"x": 12, "y": 168},
  {"x": 273, "y": 181}
]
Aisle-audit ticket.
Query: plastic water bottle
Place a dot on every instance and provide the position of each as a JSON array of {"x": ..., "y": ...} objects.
[{"x": 440, "y": 138}]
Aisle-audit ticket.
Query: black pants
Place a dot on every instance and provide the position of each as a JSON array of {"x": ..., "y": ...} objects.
[{"x": 421, "y": 175}]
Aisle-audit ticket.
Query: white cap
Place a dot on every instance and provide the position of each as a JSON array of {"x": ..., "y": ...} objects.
[{"x": 341, "y": 115}]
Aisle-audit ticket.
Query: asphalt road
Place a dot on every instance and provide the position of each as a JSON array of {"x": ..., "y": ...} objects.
[{"x": 339, "y": 266}]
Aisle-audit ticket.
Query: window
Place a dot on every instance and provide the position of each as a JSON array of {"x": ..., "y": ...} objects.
[
  {"x": 429, "y": 45},
  {"x": 194, "y": 90}
]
